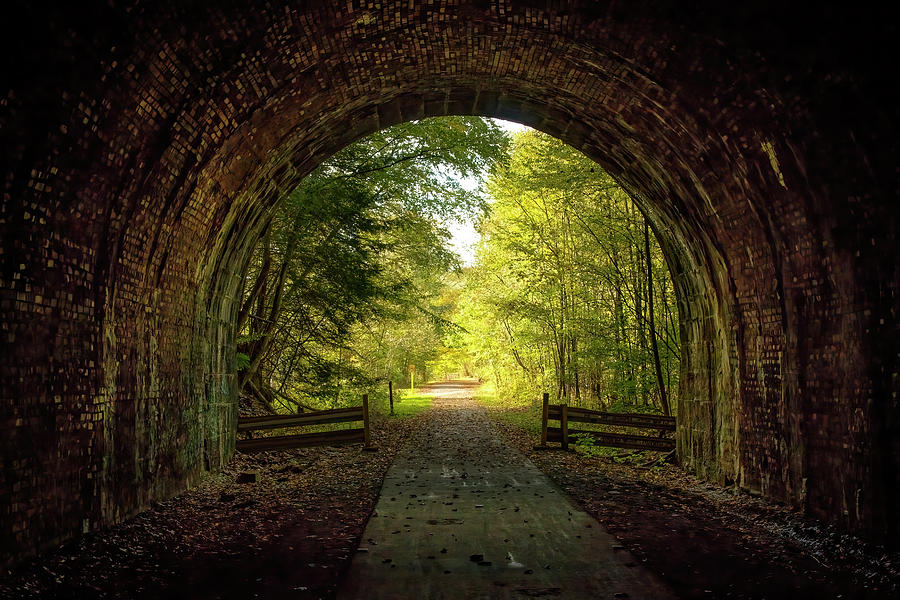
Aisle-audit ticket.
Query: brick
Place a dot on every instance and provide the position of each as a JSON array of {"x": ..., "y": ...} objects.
[{"x": 133, "y": 188}]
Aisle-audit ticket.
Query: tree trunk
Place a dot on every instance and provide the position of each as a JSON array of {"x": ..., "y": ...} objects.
[
  {"x": 659, "y": 377},
  {"x": 267, "y": 333},
  {"x": 619, "y": 329},
  {"x": 258, "y": 285}
]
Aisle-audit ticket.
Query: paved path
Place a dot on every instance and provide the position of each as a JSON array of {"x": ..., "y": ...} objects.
[{"x": 464, "y": 515}]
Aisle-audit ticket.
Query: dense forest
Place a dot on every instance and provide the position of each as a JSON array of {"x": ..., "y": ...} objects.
[
  {"x": 570, "y": 292},
  {"x": 354, "y": 285},
  {"x": 344, "y": 288}
]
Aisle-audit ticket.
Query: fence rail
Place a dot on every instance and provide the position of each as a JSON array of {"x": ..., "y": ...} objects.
[
  {"x": 305, "y": 440},
  {"x": 564, "y": 435},
  {"x": 640, "y": 420},
  {"x": 319, "y": 417}
]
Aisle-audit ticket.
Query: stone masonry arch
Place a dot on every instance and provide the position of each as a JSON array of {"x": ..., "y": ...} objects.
[{"x": 146, "y": 144}]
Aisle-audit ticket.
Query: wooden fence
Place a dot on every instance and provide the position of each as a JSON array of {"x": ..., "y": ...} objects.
[
  {"x": 566, "y": 414},
  {"x": 303, "y": 440}
]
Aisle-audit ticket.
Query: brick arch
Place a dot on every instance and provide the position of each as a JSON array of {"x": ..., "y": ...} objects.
[{"x": 135, "y": 186}]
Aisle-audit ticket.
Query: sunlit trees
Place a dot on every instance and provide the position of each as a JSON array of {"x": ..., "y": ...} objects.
[
  {"x": 353, "y": 282},
  {"x": 340, "y": 289},
  {"x": 560, "y": 296}
]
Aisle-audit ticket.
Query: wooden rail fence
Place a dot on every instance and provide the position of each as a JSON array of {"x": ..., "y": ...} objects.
[
  {"x": 566, "y": 414},
  {"x": 303, "y": 440}
]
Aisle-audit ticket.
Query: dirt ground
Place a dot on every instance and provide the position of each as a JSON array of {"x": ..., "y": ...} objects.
[
  {"x": 292, "y": 532},
  {"x": 288, "y": 535}
]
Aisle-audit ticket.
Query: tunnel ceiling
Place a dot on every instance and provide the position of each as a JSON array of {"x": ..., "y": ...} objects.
[{"x": 145, "y": 144}]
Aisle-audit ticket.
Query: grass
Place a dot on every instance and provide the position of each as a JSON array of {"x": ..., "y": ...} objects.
[
  {"x": 526, "y": 415},
  {"x": 515, "y": 411},
  {"x": 406, "y": 404}
]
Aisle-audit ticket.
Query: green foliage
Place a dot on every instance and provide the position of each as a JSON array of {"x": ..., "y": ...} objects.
[
  {"x": 558, "y": 299},
  {"x": 514, "y": 410},
  {"x": 527, "y": 419},
  {"x": 343, "y": 292},
  {"x": 408, "y": 404},
  {"x": 353, "y": 282},
  {"x": 586, "y": 445}
]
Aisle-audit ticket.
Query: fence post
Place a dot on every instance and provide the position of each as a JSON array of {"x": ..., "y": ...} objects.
[
  {"x": 564, "y": 425},
  {"x": 545, "y": 408},
  {"x": 391, "y": 395}
]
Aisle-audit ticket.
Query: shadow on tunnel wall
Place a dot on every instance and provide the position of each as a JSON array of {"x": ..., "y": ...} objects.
[{"x": 144, "y": 147}]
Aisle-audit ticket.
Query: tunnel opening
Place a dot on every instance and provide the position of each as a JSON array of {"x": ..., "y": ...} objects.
[
  {"x": 320, "y": 212},
  {"x": 352, "y": 290},
  {"x": 693, "y": 297},
  {"x": 360, "y": 250},
  {"x": 135, "y": 187}
]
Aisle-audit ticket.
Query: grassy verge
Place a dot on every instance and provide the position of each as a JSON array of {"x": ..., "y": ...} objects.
[
  {"x": 515, "y": 411},
  {"x": 526, "y": 416},
  {"x": 407, "y": 403}
]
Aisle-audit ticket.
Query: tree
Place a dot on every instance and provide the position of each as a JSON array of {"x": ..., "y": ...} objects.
[
  {"x": 562, "y": 296},
  {"x": 354, "y": 257}
]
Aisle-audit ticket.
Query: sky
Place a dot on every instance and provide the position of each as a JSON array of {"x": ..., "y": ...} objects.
[{"x": 463, "y": 234}]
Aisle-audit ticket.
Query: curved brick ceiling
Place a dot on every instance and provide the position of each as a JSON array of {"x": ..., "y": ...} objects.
[{"x": 145, "y": 146}]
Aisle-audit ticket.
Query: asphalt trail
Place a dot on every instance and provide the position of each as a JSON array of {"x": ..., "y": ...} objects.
[{"x": 464, "y": 515}]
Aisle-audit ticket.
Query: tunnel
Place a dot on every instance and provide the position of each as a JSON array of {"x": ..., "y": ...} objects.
[{"x": 145, "y": 146}]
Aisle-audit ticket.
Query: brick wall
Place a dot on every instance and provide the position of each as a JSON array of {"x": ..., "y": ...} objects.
[{"x": 143, "y": 145}]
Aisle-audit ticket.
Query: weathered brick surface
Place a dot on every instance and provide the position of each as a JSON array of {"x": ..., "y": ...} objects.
[{"x": 143, "y": 146}]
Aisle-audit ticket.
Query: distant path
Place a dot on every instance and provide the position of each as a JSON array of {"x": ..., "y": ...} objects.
[{"x": 464, "y": 515}]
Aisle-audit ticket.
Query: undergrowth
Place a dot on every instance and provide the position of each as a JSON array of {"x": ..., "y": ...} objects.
[
  {"x": 526, "y": 415},
  {"x": 407, "y": 403}
]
